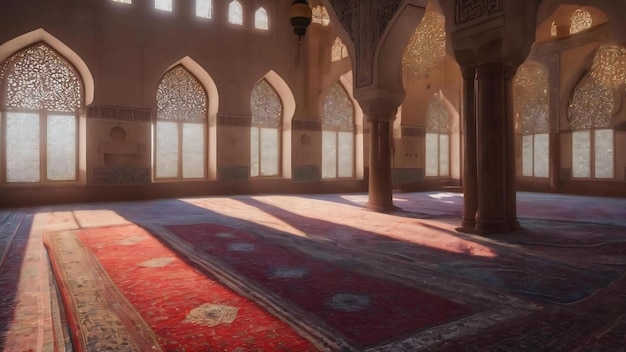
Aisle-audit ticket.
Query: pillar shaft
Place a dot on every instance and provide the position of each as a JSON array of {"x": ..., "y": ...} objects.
[
  {"x": 470, "y": 187},
  {"x": 496, "y": 150},
  {"x": 509, "y": 138},
  {"x": 380, "y": 190}
]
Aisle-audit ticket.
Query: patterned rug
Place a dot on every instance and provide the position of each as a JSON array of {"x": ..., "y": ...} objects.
[
  {"x": 127, "y": 291},
  {"x": 365, "y": 310}
]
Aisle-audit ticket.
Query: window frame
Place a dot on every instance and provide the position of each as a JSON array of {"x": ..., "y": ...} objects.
[
  {"x": 592, "y": 155},
  {"x": 180, "y": 152},
  {"x": 43, "y": 148},
  {"x": 267, "y": 19},
  {"x": 228, "y": 17},
  {"x": 336, "y": 129},
  {"x": 279, "y": 148},
  {"x": 43, "y": 128},
  {"x": 438, "y": 155},
  {"x": 171, "y": 9},
  {"x": 204, "y": 122},
  {"x": 533, "y": 156},
  {"x": 210, "y": 14}
]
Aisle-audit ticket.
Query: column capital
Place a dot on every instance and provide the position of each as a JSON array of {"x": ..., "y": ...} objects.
[{"x": 380, "y": 109}]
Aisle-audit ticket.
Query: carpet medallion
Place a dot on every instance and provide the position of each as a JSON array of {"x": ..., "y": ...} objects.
[
  {"x": 186, "y": 310},
  {"x": 364, "y": 309}
]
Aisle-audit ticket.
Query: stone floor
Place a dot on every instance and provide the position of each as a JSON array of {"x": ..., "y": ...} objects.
[{"x": 560, "y": 279}]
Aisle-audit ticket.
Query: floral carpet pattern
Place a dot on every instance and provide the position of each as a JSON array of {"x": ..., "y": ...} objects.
[{"x": 314, "y": 272}]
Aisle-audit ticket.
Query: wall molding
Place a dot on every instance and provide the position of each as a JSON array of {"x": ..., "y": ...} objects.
[
  {"x": 234, "y": 120},
  {"x": 118, "y": 113}
]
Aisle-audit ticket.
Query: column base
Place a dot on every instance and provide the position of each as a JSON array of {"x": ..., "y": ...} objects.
[
  {"x": 381, "y": 208},
  {"x": 468, "y": 223},
  {"x": 498, "y": 226}
]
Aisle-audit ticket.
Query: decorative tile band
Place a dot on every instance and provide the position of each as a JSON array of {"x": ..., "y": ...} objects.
[
  {"x": 234, "y": 120},
  {"x": 399, "y": 176},
  {"x": 306, "y": 125},
  {"x": 233, "y": 174},
  {"x": 413, "y": 131},
  {"x": 470, "y": 10},
  {"x": 121, "y": 176},
  {"x": 119, "y": 113},
  {"x": 306, "y": 173}
]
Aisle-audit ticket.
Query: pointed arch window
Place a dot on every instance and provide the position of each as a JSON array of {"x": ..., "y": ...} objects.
[
  {"x": 265, "y": 132},
  {"x": 163, "y": 5},
  {"x": 338, "y": 50},
  {"x": 204, "y": 8},
  {"x": 553, "y": 29},
  {"x": 320, "y": 15},
  {"x": 437, "y": 138},
  {"x": 180, "y": 142},
  {"x": 235, "y": 13},
  {"x": 590, "y": 113},
  {"x": 41, "y": 99},
  {"x": 580, "y": 21},
  {"x": 338, "y": 134},
  {"x": 531, "y": 100},
  {"x": 261, "y": 21}
]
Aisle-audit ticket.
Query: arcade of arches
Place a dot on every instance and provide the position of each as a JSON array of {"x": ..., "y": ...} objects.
[{"x": 253, "y": 116}]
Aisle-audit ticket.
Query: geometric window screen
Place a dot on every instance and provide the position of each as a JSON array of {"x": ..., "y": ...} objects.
[
  {"x": 580, "y": 21},
  {"x": 437, "y": 138},
  {"x": 338, "y": 134},
  {"x": 261, "y": 20},
  {"x": 235, "y": 13},
  {"x": 427, "y": 46},
  {"x": 265, "y": 132},
  {"x": 181, "y": 126},
  {"x": 531, "y": 104},
  {"x": 590, "y": 113},
  {"x": 42, "y": 95}
]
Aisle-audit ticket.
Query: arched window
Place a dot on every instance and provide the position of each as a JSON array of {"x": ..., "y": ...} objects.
[
  {"x": 437, "y": 138},
  {"x": 590, "y": 112},
  {"x": 265, "y": 141},
  {"x": 338, "y": 134},
  {"x": 320, "y": 15},
  {"x": 164, "y": 5},
  {"x": 553, "y": 29},
  {"x": 338, "y": 50},
  {"x": 427, "y": 46},
  {"x": 180, "y": 143},
  {"x": 41, "y": 99},
  {"x": 260, "y": 19},
  {"x": 531, "y": 100},
  {"x": 204, "y": 8},
  {"x": 580, "y": 20},
  {"x": 235, "y": 13}
]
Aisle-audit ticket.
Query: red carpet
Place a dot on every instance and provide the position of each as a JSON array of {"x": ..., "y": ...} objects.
[
  {"x": 187, "y": 310},
  {"x": 365, "y": 309}
]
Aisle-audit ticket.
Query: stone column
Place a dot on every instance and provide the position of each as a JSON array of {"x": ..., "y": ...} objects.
[
  {"x": 509, "y": 137},
  {"x": 380, "y": 114},
  {"x": 470, "y": 187},
  {"x": 494, "y": 139}
]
